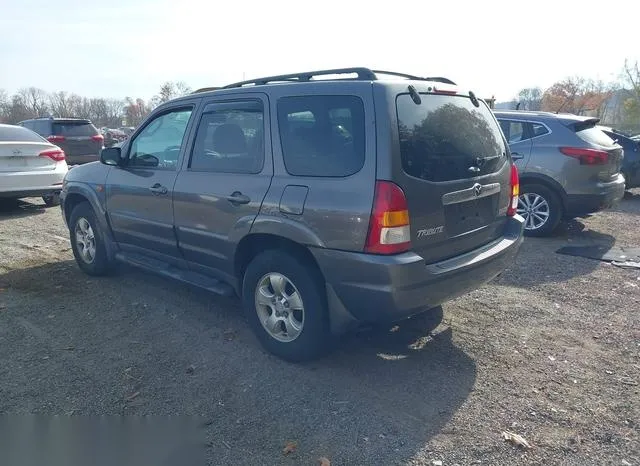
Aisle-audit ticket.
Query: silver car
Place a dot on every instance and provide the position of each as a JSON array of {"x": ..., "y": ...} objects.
[{"x": 568, "y": 167}]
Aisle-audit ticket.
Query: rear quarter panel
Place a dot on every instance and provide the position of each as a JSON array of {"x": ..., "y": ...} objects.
[{"x": 336, "y": 210}]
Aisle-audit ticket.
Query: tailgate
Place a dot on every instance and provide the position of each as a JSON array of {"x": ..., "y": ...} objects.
[
  {"x": 77, "y": 137},
  {"x": 587, "y": 130},
  {"x": 455, "y": 173}
]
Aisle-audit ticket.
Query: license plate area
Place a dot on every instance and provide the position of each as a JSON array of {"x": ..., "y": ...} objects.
[{"x": 471, "y": 215}]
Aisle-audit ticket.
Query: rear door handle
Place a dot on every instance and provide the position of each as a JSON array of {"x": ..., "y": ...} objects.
[
  {"x": 158, "y": 189},
  {"x": 238, "y": 198},
  {"x": 516, "y": 156}
]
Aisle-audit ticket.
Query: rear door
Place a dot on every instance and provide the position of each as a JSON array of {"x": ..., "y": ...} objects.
[
  {"x": 224, "y": 179},
  {"x": 519, "y": 137},
  {"x": 455, "y": 172},
  {"x": 79, "y": 139}
]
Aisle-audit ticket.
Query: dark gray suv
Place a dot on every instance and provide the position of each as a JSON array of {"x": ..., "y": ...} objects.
[
  {"x": 568, "y": 167},
  {"x": 77, "y": 137},
  {"x": 323, "y": 199}
]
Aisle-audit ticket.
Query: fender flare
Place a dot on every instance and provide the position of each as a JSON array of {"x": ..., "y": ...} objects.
[{"x": 87, "y": 192}]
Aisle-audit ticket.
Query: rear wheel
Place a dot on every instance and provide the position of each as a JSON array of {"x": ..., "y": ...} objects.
[
  {"x": 51, "y": 200},
  {"x": 286, "y": 306},
  {"x": 87, "y": 241},
  {"x": 541, "y": 209}
]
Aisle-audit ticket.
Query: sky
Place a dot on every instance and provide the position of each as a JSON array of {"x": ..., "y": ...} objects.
[{"x": 121, "y": 48}]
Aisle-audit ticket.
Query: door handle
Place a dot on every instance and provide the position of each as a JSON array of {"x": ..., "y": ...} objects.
[
  {"x": 516, "y": 156},
  {"x": 238, "y": 198},
  {"x": 158, "y": 189}
]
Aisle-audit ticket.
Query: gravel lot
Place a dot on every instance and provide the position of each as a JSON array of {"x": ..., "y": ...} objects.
[{"x": 550, "y": 351}]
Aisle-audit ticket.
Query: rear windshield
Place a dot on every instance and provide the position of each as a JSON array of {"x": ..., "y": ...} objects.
[
  {"x": 18, "y": 133},
  {"x": 72, "y": 129},
  {"x": 447, "y": 138},
  {"x": 595, "y": 136}
]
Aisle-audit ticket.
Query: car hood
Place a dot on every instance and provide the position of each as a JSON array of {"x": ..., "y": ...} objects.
[{"x": 92, "y": 173}]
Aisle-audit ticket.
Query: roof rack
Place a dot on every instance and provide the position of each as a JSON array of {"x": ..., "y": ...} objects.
[
  {"x": 206, "y": 89},
  {"x": 363, "y": 74}
]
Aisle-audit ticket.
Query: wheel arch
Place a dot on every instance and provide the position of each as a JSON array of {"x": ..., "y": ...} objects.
[{"x": 536, "y": 178}]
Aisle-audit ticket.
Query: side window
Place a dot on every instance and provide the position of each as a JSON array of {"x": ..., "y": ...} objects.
[
  {"x": 158, "y": 144},
  {"x": 322, "y": 135},
  {"x": 230, "y": 138},
  {"x": 538, "y": 130},
  {"x": 42, "y": 127},
  {"x": 514, "y": 131}
]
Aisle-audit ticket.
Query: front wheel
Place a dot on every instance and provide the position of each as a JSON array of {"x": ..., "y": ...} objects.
[
  {"x": 286, "y": 306},
  {"x": 541, "y": 209},
  {"x": 87, "y": 241}
]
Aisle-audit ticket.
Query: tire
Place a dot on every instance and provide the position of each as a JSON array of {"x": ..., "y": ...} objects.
[
  {"x": 100, "y": 263},
  {"x": 300, "y": 336},
  {"x": 52, "y": 200},
  {"x": 531, "y": 193}
]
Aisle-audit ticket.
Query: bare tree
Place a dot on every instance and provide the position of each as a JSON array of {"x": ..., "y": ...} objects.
[
  {"x": 60, "y": 104},
  {"x": 170, "y": 90},
  {"x": 35, "y": 100},
  {"x": 530, "y": 98},
  {"x": 135, "y": 111}
]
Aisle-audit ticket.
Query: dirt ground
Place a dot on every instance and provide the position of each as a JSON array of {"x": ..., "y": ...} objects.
[{"x": 550, "y": 351}]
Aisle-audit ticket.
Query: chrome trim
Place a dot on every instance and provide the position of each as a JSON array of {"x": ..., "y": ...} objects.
[{"x": 477, "y": 191}]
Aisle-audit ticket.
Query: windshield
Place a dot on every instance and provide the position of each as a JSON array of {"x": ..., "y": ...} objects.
[{"x": 447, "y": 138}]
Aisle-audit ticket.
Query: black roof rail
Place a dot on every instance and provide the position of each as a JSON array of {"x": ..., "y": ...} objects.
[
  {"x": 363, "y": 74},
  {"x": 206, "y": 89}
]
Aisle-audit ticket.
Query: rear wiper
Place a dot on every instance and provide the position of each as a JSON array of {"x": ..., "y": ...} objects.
[{"x": 414, "y": 95}]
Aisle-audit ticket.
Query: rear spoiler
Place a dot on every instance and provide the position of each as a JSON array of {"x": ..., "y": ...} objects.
[{"x": 584, "y": 123}]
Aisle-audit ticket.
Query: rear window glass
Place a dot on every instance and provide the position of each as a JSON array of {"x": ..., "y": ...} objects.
[
  {"x": 447, "y": 138},
  {"x": 18, "y": 133},
  {"x": 595, "y": 136},
  {"x": 322, "y": 135},
  {"x": 73, "y": 129}
]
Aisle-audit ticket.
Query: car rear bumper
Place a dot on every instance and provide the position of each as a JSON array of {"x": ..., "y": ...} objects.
[
  {"x": 31, "y": 192},
  {"x": 32, "y": 183},
  {"x": 372, "y": 288},
  {"x": 608, "y": 195},
  {"x": 81, "y": 159}
]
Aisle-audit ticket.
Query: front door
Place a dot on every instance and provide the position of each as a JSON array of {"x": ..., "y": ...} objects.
[
  {"x": 222, "y": 183},
  {"x": 139, "y": 194}
]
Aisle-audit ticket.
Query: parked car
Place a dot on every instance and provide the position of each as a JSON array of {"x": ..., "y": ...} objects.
[
  {"x": 283, "y": 191},
  {"x": 80, "y": 140},
  {"x": 631, "y": 163},
  {"x": 568, "y": 167},
  {"x": 30, "y": 166}
]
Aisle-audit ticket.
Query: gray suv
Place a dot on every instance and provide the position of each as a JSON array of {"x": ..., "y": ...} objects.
[
  {"x": 323, "y": 199},
  {"x": 568, "y": 167},
  {"x": 77, "y": 137}
]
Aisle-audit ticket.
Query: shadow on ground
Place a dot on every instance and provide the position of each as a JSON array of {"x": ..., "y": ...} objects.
[
  {"x": 138, "y": 344},
  {"x": 538, "y": 263},
  {"x": 15, "y": 208}
]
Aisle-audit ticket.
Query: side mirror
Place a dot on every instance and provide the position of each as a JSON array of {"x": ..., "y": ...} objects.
[{"x": 110, "y": 156}]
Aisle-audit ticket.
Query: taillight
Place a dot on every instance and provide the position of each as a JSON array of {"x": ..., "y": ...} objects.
[
  {"x": 586, "y": 156},
  {"x": 54, "y": 154},
  {"x": 97, "y": 138},
  {"x": 515, "y": 192},
  {"x": 389, "y": 231},
  {"x": 55, "y": 138}
]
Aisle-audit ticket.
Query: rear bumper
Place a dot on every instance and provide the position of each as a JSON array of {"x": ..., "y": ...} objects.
[
  {"x": 608, "y": 195},
  {"x": 373, "y": 288},
  {"x": 31, "y": 192}
]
